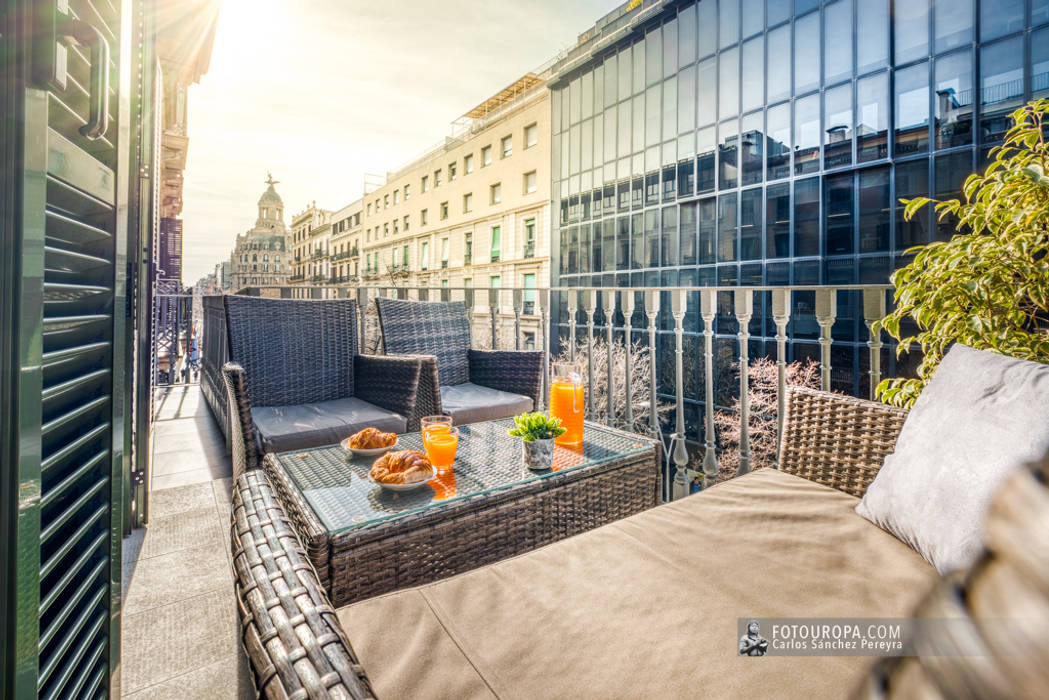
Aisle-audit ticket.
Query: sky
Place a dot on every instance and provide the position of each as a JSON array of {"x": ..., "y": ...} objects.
[{"x": 320, "y": 92}]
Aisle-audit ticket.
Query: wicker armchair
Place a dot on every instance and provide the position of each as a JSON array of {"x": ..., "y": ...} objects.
[
  {"x": 294, "y": 641},
  {"x": 473, "y": 385},
  {"x": 295, "y": 380}
]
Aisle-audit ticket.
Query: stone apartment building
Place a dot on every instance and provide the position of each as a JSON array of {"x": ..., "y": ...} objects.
[
  {"x": 310, "y": 237},
  {"x": 474, "y": 212},
  {"x": 345, "y": 258},
  {"x": 260, "y": 256}
]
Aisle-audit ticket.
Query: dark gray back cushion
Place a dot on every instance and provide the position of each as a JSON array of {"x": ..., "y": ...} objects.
[
  {"x": 294, "y": 351},
  {"x": 438, "y": 328}
]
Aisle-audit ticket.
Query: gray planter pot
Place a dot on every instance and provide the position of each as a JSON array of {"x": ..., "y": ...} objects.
[{"x": 539, "y": 454}]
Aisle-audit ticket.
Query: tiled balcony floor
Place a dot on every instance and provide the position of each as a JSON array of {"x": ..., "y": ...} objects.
[{"x": 180, "y": 631}]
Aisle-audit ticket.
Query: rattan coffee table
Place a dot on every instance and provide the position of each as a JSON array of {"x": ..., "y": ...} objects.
[{"x": 364, "y": 540}]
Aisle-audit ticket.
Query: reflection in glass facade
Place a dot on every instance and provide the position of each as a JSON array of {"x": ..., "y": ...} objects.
[{"x": 768, "y": 142}]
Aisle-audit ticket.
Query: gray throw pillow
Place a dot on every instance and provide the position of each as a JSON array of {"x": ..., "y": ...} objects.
[{"x": 981, "y": 416}]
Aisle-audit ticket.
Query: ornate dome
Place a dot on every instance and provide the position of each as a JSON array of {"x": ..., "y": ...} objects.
[{"x": 270, "y": 196}]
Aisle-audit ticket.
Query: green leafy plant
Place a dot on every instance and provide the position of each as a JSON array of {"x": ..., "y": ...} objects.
[
  {"x": 988, "y": 286},
  {"x": 536, "y": 426}
]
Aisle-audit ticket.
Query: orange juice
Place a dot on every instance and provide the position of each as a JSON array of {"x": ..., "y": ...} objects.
[
  {"x": 566, "y": 403},
  {"x": 436, "y": 428},
  {"x": 441, "y": 447}
]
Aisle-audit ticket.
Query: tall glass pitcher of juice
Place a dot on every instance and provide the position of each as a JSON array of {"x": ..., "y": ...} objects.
[{"x": 566, "y": 402}]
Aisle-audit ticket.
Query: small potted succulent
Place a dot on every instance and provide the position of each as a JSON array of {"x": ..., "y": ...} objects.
[{"x": 538, "y": 432}]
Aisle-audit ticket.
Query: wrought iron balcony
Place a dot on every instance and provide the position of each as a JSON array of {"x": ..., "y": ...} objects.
[
  {"x": 317, "y": 254},
  {"x": 529, "y": 250},
  {"x": 689, "y": 353},
  {"x": 467, "y": 259}
]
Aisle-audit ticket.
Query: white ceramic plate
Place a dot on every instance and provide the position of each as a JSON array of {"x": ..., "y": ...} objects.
[
  {"x": 405, "y": 487},
  {"x": 373, "y": 452}
]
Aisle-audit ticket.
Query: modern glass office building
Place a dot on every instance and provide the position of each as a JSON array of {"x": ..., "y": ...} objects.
[{"x": 769, "y": 142}]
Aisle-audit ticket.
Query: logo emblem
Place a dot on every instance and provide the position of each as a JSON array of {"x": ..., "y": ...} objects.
[{"x": 752, "y": 643}]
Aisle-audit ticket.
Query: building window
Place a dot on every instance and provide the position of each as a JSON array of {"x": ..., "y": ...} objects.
[
  {"x": 529, "y": 182},
  {"x": 507, "y": 146},
  {"x": 386, "y": 201},
  {"x": 436, "y": 178},
  {"x": 468, "y": 202},
  {"x": 444, "y": 252},
  {"x": 451, "y": 171},
  {"x": 486, "y": 156},
  {"x": 529, "y": 226},
  {"x": 444, "y": 210},
  {"x": 386, "y": 229},
  {"x": 424, "y": 256},
  {"x": 425, "y": 184},
  {"x": 496, "y": 243},
  {"x": 468, "y": 247},
  {"x": 529, "y": 293},
  {"x": 396, "y": 197},
  {"x": 531, "y": 135},
  {"x": 395, "y": 227},
  {"x": 405, "y": 222},
  {"x": 468, "y": 163},
  {"x": 494, "y": 281},
  {"x": 422, "y": 217},
  {"x": 407, "y": 192},
  {"x": 496, "y": 193}
]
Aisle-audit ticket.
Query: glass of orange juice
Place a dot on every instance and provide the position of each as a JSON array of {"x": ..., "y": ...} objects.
[
  {"x": 566, "y": 401},
  {"x": 441, "y": 447},
  {"x": 434, "y": 424}
]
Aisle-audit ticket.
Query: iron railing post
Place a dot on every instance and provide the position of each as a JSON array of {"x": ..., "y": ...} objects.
[
  {"x": 678, "y": 304},
  {"x": 493, "y": 308},
  {"x": 873, "y": 311},
  {"x": 627, "y": 305},
  {"x": 542, "y": 299},
  {"x": 744, "y": 308},
  {"x": 573, "y": 308},
  {"x": 518, "y": 295},
  {"x": 708, "y": 310},
  {"x": 781, "y": 317},
  {"x": 826, "y": 312},
  {"x": 590, "y": 298},
  {"x": 610, "y": 301}
]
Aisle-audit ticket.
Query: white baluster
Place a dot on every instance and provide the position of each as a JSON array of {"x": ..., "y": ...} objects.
[
  {"x": 744, "y": 308},
  {"x": 708, "y": 310}
]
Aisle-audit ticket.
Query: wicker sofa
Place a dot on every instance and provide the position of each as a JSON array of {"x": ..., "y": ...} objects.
[
  {"x": 474, "y": 385},
  {"x": 295, "y": 379},
  {"x": 648, "y": 606}
]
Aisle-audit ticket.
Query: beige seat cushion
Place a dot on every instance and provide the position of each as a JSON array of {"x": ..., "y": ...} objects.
[{"x": 648, "y": 606}]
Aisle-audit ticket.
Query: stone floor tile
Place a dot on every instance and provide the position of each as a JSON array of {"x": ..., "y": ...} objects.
[
  {"x": 167, "y": 502},
  {"x": 191, "y": 528},
  {"x": 177, "y": 576},
  {"x": 168, "y": 481},
  {"x": 165, "y": 642},
  {"x": 226, "y": 679}
]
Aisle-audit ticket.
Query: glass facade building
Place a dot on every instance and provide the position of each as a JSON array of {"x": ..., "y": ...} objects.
[{"x": 768, "y": 142}]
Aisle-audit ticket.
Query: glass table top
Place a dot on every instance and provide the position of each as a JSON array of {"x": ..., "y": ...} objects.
[{"x": 343, "y": 497}]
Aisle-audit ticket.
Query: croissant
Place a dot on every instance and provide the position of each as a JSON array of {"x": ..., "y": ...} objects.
[
  {"x": 372, "y": 438},
  {"x": 402, "y": 467}
]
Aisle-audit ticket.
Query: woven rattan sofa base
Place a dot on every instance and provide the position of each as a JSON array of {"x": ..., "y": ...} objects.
[
  {"x": 290, "y": 631},
  {"x": 440, "y": 542}
]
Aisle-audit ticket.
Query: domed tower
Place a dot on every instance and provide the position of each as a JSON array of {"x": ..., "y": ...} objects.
[{"x": 271, "y": 208}]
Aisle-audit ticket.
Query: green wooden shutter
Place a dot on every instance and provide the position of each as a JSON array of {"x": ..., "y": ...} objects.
[{"x": 70, "y": 245}]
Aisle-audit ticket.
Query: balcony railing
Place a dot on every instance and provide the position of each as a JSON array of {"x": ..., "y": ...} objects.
[
  {"x": 317, "y": 278},
  {"x": 297, "y": 278},
  {"x": 317, "y": 255},
  {"x": 697, "y": 343},
  {"x": 444, "y": 264},
  {"x": 467, "y": 259},
  {"x": 529, "y": 250}
]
